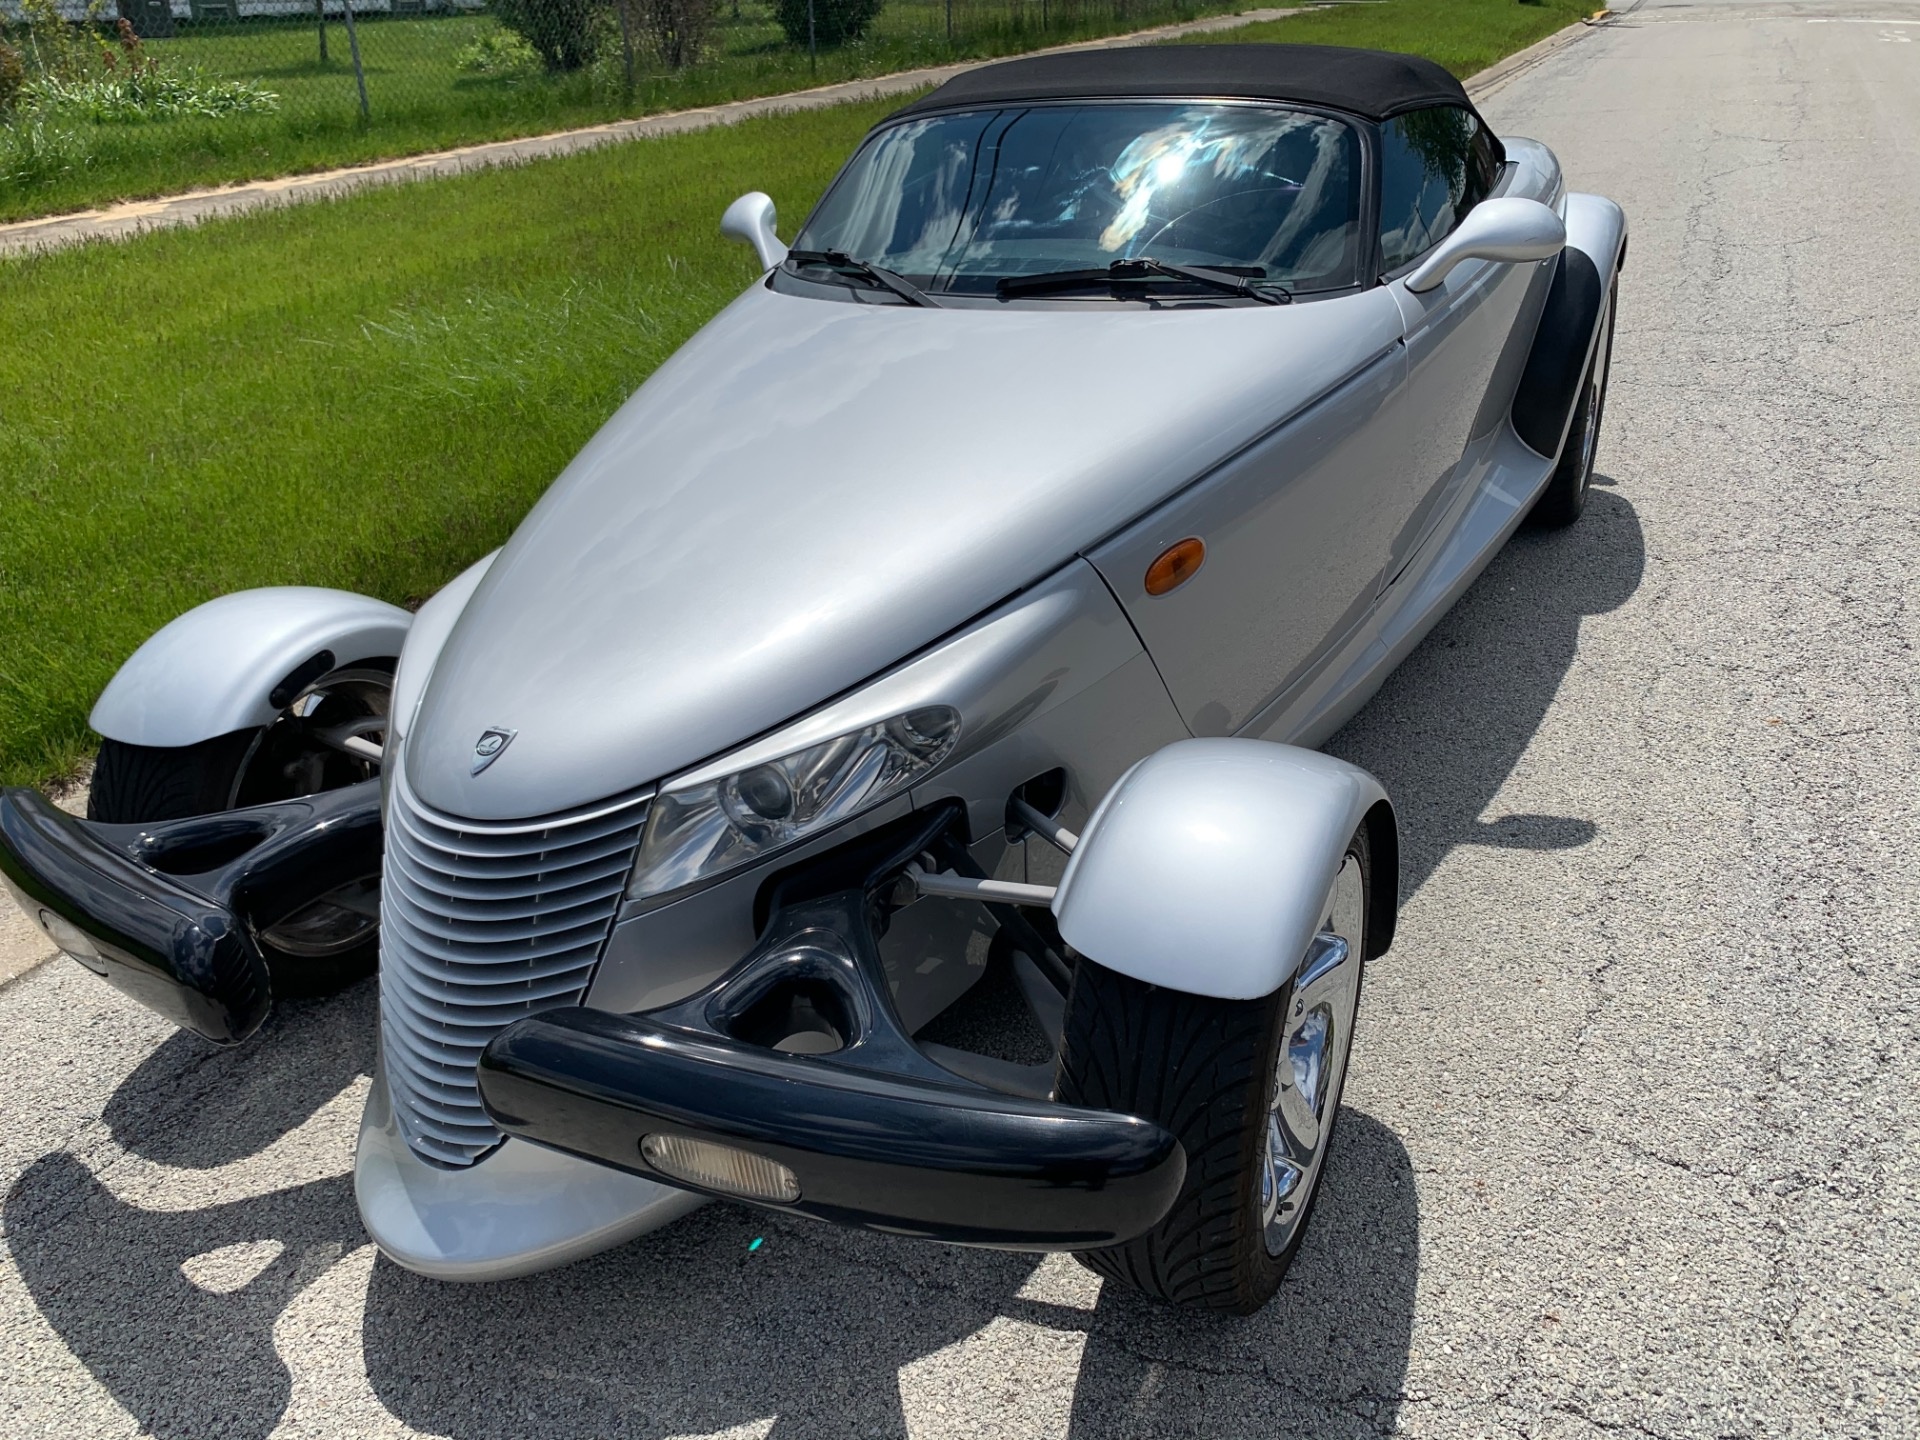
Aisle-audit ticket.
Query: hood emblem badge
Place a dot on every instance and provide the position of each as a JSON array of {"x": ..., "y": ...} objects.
[{"x": 493, "y": 742}]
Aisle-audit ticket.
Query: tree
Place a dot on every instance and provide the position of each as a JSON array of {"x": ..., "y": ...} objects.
[
  {"x": 834, "y": 21},
  {"x": 563, "y": 33},
  {"x": 675, "y": 30}
]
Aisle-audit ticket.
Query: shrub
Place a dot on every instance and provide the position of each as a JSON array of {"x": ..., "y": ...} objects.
[
  {"x": 32, "y": 152},
  {"x": 13, "y": 76},
  {"x": 834, "y": 21},
  {"x": 677, "y": 31},
  {"x": 565, "y": 34},
  {"x": 497, "y": 52},
  {"x": 55, "y": 46},
  {"x": 150, "y": 93}
]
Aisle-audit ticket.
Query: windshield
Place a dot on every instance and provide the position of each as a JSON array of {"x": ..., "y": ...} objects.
[{"x": 956, "y": 202}]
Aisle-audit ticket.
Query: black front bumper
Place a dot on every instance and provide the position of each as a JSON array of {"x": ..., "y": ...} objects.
[
  {"x": 876, "y": 1133},
  {"x": 904, "y": 1155},
  {"x": 169, "y": 912}
]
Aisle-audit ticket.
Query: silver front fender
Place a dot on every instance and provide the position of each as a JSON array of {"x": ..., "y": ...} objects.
[
  {"x": 1205, "y": 868},
  {"x": 214, "y": 670}
]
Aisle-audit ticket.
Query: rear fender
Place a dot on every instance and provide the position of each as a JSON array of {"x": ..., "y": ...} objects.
[
  {"x": 229, "y": 664},
  {"x": 1570, "y": 322},
  {"x": 1205, "y": 868}
]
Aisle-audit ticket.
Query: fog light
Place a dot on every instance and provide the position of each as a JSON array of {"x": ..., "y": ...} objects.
[{"x": 721, "y": 1167}]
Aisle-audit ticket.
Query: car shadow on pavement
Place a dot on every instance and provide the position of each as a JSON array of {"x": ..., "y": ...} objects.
[
  {"x": 684, "y": 1332},
  {"x": 1446, "y": 729},
  {"x": 186, "y": 1360},
  {"x": 694, "y": 1330},
  {"x": 690, "y": 1331},
  {"x": 1326, "y": 1357},
  {"x": 201, "y": 1106}
]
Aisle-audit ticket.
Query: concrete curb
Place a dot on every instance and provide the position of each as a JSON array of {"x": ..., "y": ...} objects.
[
  {"x": 1498, "y": 74},
  {"x": 117, "y": 222}
]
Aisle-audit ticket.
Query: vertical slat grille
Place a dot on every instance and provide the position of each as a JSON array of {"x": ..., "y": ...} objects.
[{"x": 482, "y": 924}]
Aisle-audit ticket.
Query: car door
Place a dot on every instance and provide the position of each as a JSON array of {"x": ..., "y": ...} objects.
[{"x": 1436, "y": 164}]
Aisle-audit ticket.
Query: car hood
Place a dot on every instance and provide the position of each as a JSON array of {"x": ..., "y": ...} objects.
[{"x": 810, "y": 491}]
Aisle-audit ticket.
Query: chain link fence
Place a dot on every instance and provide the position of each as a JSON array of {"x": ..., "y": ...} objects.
[{"x": 99, "y": 97}]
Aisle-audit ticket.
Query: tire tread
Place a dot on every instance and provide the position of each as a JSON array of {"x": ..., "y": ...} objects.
[
  {"x": 1195, "y": 1065},
  {"x": 138, "y": 784}
]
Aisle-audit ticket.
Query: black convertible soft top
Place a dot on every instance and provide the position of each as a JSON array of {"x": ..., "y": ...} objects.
[{"x": 1374, "y": 84}]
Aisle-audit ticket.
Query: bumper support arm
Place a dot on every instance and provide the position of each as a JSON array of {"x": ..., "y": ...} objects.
[
  {"x": 168, "y": 912},
  {"x": 875, "y": 1132}
]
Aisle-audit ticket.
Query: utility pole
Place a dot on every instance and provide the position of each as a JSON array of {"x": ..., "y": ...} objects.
[
  {"x": 626, "y": 41},
  {"x": 359, "y": 75}
]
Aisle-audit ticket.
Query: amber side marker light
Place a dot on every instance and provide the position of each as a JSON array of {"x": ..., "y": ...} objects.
[{"x": 1176, "y": 565}]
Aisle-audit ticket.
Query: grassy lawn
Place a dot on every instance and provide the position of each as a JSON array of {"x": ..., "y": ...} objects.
[
  {"x": 370, "y": 393},
  {"x": 1466, "y": 36},
  {"x": 420, "y": 100}
]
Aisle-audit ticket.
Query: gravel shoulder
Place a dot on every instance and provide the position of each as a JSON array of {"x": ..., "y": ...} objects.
[{"x": 1630, "y": 1140}]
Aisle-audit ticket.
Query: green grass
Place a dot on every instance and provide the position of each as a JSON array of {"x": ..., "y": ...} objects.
[
  {"x": 419, "y": 100},
  {"x": 369, "y": 393},
  {"x": 1466, "y": 36},
  {"x": 365, "y": 394}
]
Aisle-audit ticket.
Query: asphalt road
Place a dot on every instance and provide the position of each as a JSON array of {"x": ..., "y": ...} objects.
[{"x": 1631, "y": 1134}]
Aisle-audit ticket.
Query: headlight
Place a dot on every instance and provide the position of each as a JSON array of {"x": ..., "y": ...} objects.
[{"x": 710, "y": 828}]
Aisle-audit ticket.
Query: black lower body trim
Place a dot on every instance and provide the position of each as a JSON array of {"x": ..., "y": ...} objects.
[{"x": 1549, "y": 387}]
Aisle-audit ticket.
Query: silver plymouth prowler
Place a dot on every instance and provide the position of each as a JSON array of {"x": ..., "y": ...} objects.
[{"x": 959, "y": 603}]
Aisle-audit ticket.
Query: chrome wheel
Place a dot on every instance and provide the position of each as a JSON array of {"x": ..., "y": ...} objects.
[
  {"x": 1316, "y": 1034},
  {"x": 303, "y": 752},
  {"x": 1594, "y": 401}
]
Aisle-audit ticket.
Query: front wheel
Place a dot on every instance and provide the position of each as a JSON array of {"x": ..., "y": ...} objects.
[
  {"x": 333, "y": 941},
  {"x": 1249, "y": 1087}
]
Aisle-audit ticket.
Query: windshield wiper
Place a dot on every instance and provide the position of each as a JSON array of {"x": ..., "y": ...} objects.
[
  {"x": 846, "y": 264},
  {"x": 1145, "y": 267}
]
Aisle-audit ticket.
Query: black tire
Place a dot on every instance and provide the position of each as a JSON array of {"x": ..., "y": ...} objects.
[
  {"x": 1565, "y": 497},
  {"x": 140, "y": 784},
  {"x": 136, "y": 784},
  {"x": 1205, "y": 1068}
]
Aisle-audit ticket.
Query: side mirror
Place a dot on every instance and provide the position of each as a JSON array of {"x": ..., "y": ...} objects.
[
  {"x": 1509, "y": 230},
  {"x": 750, "y": 220}
]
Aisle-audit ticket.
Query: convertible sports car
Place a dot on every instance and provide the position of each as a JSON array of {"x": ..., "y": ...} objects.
[{"x": 958, "y": 603}]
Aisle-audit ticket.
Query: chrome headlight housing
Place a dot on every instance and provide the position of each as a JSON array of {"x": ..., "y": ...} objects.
[{"x": 708, "y": 828}]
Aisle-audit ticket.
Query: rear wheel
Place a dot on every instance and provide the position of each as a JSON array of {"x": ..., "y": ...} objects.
[
  {"x": 1249, "y": 1087},
  {"x": 333, "y": 941},
  {"x": 1565, "y": 497}
]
